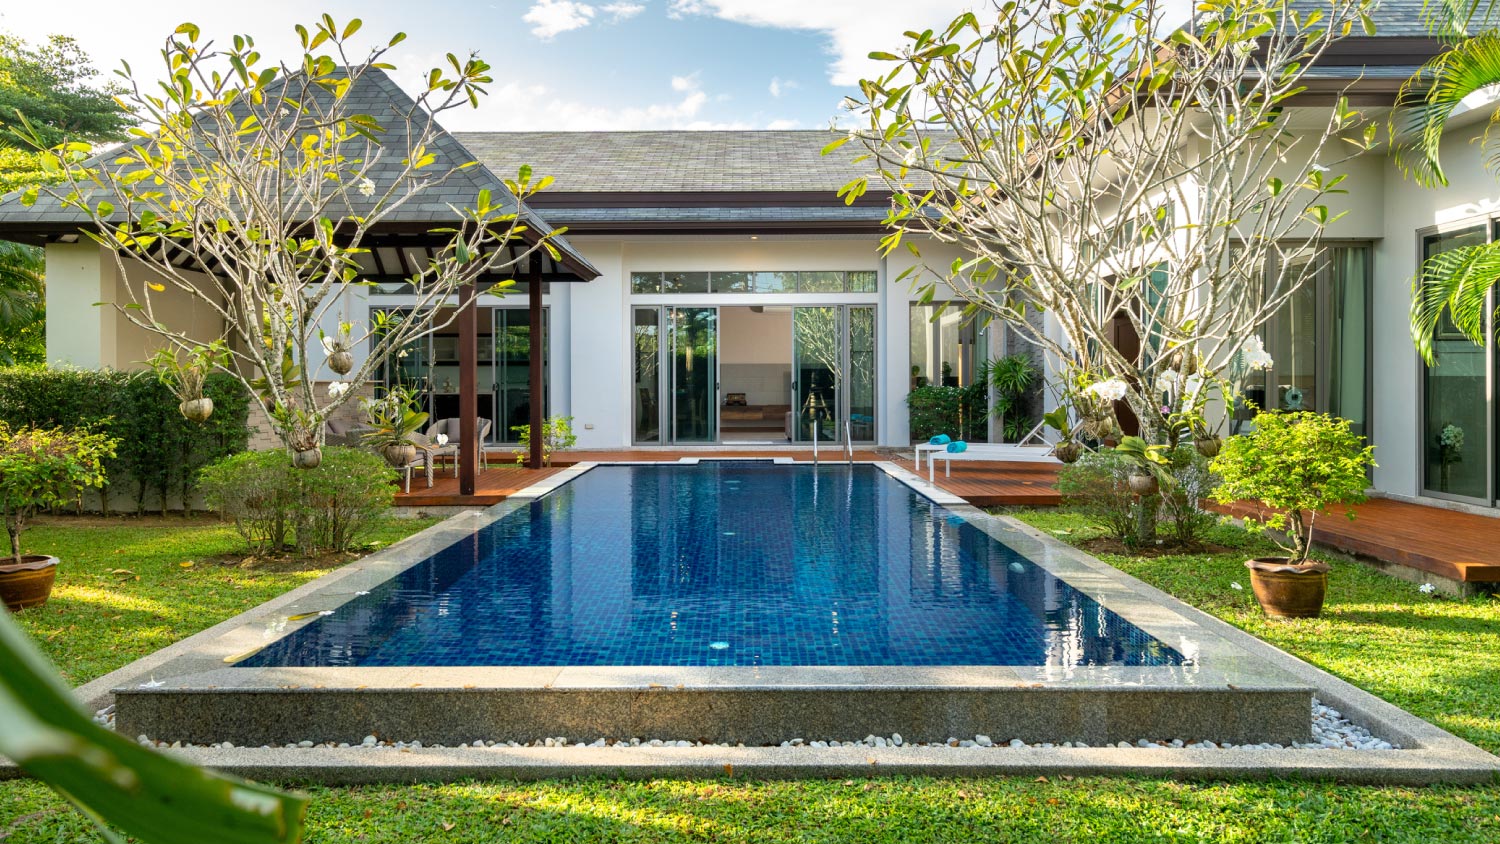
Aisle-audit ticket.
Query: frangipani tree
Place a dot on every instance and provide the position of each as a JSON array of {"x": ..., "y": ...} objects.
[
  {"x": 253, "y": 189},
  {"x": 1085, "y": 159}
]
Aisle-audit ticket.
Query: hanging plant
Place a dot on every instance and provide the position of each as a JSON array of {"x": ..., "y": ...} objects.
[
  {"x": 185, "y": 373},
  {"x": 339, "y": 348}
]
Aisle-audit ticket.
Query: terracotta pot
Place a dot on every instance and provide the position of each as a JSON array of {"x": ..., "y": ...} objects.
[
  {"x": 1288, "y": 591},
  {"x": 1208, "y": 446},
  {"x": 308, "y": 458},
  {"x": 341, "y": 362},
  {"x": 398, "y": 455},
  {"x": 197, "y": 410},
  {"x": 1068, "y": 452},
  {"x": 28, "y": 583},
  {"x": 1143, "y": 483}
]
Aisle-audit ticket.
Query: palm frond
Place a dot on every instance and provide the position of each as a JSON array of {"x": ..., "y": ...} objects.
[
  {"x": 1453, "y": 285},
  {"x": 1429, "y": 98},
  {"x": 22, "y": 273}
]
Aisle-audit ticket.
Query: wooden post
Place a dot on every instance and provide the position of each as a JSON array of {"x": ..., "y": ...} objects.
[
  {"x": 469, "y": 448},
  {"x": 538, "y": 389}
]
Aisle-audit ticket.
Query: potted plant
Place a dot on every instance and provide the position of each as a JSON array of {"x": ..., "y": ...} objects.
[
  {"x": 41, "y": 467},
  {"x": 184, "y": 375},
  {"x": 1294, "y": 465},
  {"x": 1067, "y": 449},
  {"x": 395, "y": 420},
  {"x": 1148, "y": 465},
  {"x": 338, "y": 348}
]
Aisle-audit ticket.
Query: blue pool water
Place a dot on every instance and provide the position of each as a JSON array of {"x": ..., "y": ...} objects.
[{"x": 724, "y": 564}]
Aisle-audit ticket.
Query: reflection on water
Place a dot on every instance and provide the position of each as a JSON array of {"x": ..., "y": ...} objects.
[{"x": 724, "y": 564}]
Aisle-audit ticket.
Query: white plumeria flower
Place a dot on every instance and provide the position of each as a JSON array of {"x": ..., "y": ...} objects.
[
  {"x": 1111, "y": 390},
  {"x": 366, "y": 187},
  {"x": 1236, "y": 587},
  {"x": 1427, "y": 589},
  {"x": 337, "y": 388},
  {"x": 1168, "y": 381}
]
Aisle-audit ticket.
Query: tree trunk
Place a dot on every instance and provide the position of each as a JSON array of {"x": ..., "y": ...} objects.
[{"x": 1147, "y": 507}]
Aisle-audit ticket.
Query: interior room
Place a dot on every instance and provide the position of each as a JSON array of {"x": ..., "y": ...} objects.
[{"x": 755, "y": 374}]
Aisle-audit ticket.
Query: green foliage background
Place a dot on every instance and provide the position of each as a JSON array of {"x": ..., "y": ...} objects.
[{"x": 159, "y": 451}]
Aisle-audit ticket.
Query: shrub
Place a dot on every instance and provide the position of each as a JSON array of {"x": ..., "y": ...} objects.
[
  {"x": 1294, "y": 464},
  {"x": 1098, "y": 485},
  {"x": 1191, "y": 481},
  {"x": 45, "y": 467},
  {"x": 274, "y": 504},
  {"x": 159, "y": 451},
  {"x": 959, "y": 412},
  {"x": 557, "y": 433}
]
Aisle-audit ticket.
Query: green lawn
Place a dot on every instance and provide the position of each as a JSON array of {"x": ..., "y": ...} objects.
[{"x": 1438, "y": 658}]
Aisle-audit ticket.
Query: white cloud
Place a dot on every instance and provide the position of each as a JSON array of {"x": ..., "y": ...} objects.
[
  {"x": 517, "y": 106},
  {"x": 622, "y": 11},
  {"x": 783, "y": 124},
  {"x": 685, "y": 83},
  {"x": 854, "y": 27},
  {"x": 780, "y": 86},
  {"x": 551, "y": 17}
]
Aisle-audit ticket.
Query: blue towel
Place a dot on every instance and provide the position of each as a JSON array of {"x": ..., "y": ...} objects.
[
  {"x": 958, "y": 447},
  {"x": 940, "y": 439}
]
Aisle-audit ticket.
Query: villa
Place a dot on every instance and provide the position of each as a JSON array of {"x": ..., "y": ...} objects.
[{"x": 715, "y": 291}]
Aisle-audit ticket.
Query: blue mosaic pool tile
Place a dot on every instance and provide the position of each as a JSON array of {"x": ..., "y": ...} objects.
[{"x": 724, "y": 564}]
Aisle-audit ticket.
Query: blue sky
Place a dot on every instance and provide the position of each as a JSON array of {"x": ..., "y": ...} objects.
[{"x": 564, "y": 64}]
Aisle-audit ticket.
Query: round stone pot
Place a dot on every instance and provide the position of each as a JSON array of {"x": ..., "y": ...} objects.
[
  {"x": 28, "y": 583},
  {"x": 1209, "y": 446},
  {"x": 1288, "y": 591},
  {"x": 341, "y": 362},
  {"x": 1143, "y": 483},
  {"x": 1068, "y": 452},
  {"x": 197, "y": 410},
  {"x": 307, "y": 458},
  {"x": 398, "y": 455}
]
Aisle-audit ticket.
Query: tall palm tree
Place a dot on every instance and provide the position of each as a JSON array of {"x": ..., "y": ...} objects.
[{"x": 1453, "y": 285}]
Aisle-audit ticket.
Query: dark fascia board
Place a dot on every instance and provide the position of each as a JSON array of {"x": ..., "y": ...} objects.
[
  {"x": 1396, "y": 51},
  {"x": 699, "y": 199},
  {"x": 710, "y": 228}
]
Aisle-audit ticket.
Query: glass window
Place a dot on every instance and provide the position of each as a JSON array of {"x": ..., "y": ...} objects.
[
  {"x": 732, "y": 283},
  {"x": 1455, "y": 430},
  {"x": 684, "y": 283},
  {"x": 645, "y": 282},
  {"x": 820, "y": 282},
  {"x": 947, "y": 347},
  {"x": 775, "y": 282},
  {"x": 647, "y": 381},
  {"x": 862, "y": 281}
]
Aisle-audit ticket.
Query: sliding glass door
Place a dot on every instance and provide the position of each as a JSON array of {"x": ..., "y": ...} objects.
[
  {"x": 1456, "y": 408},
  {"x": 512, "y": 379},
  {"x": 694, "y": 368},
  {"x": 833, "y": 373}
]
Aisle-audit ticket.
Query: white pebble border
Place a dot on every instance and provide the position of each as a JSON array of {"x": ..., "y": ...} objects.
[{"x": 1330, "y": 731}]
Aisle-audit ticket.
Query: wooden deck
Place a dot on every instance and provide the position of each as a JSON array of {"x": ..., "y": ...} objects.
[
  {"x": 982, "y": 484},
  {"x": 1448, "y": 543}
]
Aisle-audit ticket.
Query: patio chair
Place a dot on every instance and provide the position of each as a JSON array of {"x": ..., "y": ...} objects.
[
  {"x": 345, "y": 432},
  {"x": 450, "y": 427}
]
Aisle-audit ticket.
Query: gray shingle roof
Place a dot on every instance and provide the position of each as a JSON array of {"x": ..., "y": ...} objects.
[
  {"x": 377, "y": 95},
  {"x": 673, "y": 161}
]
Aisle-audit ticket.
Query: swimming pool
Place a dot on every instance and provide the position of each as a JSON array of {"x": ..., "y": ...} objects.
[{"x": 723, "y": 563}]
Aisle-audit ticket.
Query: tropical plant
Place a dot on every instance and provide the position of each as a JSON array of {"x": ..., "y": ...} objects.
[
  {"x": 46, "y": 467},
  {"x": 394, "y": 418},
  {"x": 1063, "y": 149},
  {"x": 1295, "y": 465},
  {"x": 274, "y": 177},
  {"x": 557, "y": 435},
  {"x": 116, "y": 782},
  {"x": 1452, "y": 285},
  {"x": 1012, "y": 378},
  {"x": 184, "y": 373}
]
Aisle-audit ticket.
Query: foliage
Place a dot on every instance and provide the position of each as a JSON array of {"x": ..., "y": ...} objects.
[
  {"x": 393, "y": 418},
  {"x": 1294, "y": 464},
  {"x": 1006, "y": 162},
  {"x": 328, "y": 508},
  {"x": 1192, "y": 482},
  {"x": 1098, "y": 485},
  {"x": 557, "y": 435},
  {"x": 22, "y": 296},
  {"x": 959, "y": 412},
  {"x": 272, "y": 175},
  {"x": 158, "y": 450},
  {"x": 1014, "y": 379},
  {"x": 184, "y": 372},
  {"x": 114, "y": 780},
  {"x": 51, "y": 86},
  {"x": 46, "y": 467}
]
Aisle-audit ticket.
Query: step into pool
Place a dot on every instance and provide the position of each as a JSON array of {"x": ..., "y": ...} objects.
[{"x": 724, "y": 563}]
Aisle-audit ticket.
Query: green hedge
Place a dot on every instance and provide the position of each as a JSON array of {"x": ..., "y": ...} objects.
[
  {"x": 159, "y": 450},
  {"x": 959, "y": 412}
]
